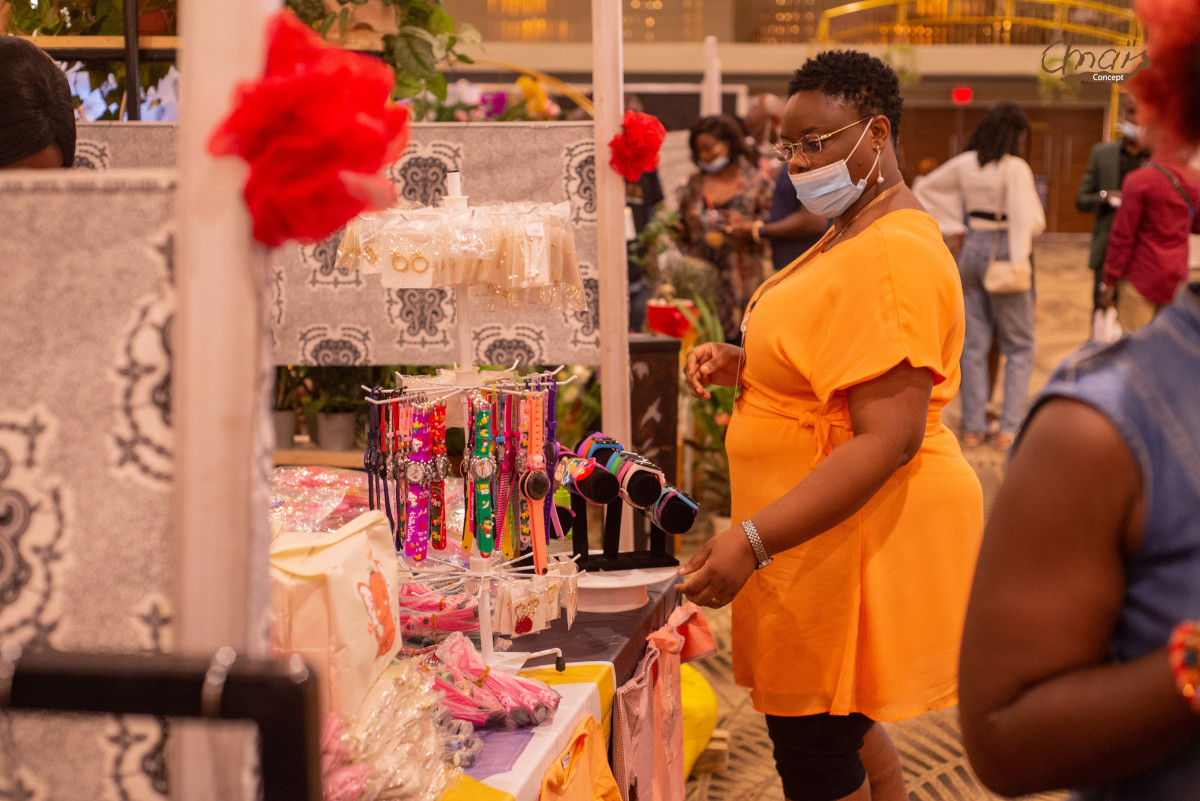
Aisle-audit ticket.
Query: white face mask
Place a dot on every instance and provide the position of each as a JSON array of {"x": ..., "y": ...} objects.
[
  {"x": 828, "y": 191},
  {"x": 1131, "y": 130},
  {"x": 714, "y": 166}
]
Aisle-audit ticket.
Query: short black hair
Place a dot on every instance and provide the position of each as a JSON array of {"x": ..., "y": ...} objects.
[
  {"x": 723, "y": 127},
  {"x": 855, "y": 77},
  {"x": 36, "y": 110},
  {"x": 998, "y": 134}
]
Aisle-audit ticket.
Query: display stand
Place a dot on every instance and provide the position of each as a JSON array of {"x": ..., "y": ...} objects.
[
  {"x": 464, "y": 365},
  {"x": 612, "y": 557}
]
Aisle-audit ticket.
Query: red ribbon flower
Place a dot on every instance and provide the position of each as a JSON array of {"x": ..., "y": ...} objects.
[
  {"x": 316, "y": 130},
  {"x": 635, "y": 150}
]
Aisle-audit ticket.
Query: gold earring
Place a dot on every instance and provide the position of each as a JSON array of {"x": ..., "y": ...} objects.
[
  {"x": 419, "y": 263},
  {"x": 371, "y": 255},
  {"x": 397, "y": 259}
]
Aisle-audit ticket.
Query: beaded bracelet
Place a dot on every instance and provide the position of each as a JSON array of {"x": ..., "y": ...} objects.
[{"x": 1183, "y": 650}]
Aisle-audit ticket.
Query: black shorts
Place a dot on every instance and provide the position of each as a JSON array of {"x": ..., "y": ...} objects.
[{"x": 817, "y": 755}]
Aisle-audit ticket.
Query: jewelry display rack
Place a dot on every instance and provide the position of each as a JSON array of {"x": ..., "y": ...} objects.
[{"x": 478, "y": 578}]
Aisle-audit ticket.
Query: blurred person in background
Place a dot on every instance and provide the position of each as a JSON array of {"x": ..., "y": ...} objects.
[
  {"x": 788, "y": 228},
  {"x": 1081, "y": 648},
  {"x": 1100, "y": 191},
  {"x": 993, "y": 183},
  {"x": 727, "y": 189},
  {"x": 1147, "y": 257},
  {"x": 763, "y": 118},
  {"x": 37, "y": 114}
]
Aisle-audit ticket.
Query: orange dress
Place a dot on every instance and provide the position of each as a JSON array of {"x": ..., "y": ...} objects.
[{"x": 867, "y": 616}]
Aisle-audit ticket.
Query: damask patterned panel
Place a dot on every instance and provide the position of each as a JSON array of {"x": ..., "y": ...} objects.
[
  {"x": 86, "y": 457},
  {"x": 548, "y": 162},
  {"x": 105, "y": 145},
  {"x": 499, "y": 162}
]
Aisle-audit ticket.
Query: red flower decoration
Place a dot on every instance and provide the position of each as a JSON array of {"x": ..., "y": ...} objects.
[
  {"x": 316, "y": 130},
  {"x": 635, "y": 150},
  {"x": 1165, "y": 88},
  {"x": 523, "y": 626}
]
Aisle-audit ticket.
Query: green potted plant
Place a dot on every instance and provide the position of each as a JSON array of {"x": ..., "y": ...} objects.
[
  {"x": 419, "y": 38},
  {"x": 335, "y": 403},
  {"x": 290, "y": 392}
]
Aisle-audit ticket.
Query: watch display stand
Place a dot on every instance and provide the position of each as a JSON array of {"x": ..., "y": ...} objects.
[{"x": 612, "y": 558}]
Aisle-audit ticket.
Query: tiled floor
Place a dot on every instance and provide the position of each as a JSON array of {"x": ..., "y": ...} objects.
[{"x": 931, "y": 752}]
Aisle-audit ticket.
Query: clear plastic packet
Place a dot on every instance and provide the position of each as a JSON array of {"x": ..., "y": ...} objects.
[
  {"x": 470, "y": 246},
  {"x": 527, "y": 702},
  {"x": 311, "y": 499},
  {"x": 412, "y": 256},
  {"x": 465, "y": 700},
  {"x": 395, "y": 733},
  {"x": 463, "y": 745}
]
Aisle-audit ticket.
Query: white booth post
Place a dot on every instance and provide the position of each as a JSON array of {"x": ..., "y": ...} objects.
[
  {"x": 220, "y": 511},
  {"x": 710, "y": 84},
  {"x": 608, "y": 95}
]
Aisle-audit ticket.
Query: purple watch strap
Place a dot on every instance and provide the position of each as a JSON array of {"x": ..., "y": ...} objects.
[{"x": 416, "y": 540}]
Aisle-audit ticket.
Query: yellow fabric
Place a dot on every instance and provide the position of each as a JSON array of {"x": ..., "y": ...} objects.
[
  {"x": 867, "y": 616},
  {"x": 471, "y": 790},
  {"x": 699, "y": 715},
  {"x": 581, "y": 772},
  {"x": 598, "y": 673}
]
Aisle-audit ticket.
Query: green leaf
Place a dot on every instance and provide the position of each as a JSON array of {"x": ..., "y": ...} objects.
[
  {"x": 419, "y": 33},
  {"x": 407, "y": 86},
  {"x": 464, "y": 59},
  {"x": 441, "y": 45},
  {"x": 413, "y": 54},
  {"x": 113, "y": 25},
  {"x": 515, "y": 111},
  {"x": 326, "y": 24},
  {"x": 440, "y": 21},
  {"x": 343, "y": 21},
  {"x": 468, "y": 34},
  {"x": 437, "y": 86}
]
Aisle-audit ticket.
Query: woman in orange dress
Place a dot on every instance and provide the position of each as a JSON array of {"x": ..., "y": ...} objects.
[{"x": 859, "y": 519}]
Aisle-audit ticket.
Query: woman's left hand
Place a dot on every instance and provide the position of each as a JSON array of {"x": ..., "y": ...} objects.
[{"x": 719, "y": 571}]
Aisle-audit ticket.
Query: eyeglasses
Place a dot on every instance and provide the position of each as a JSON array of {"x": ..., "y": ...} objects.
[{"x": 810, "y": 144}]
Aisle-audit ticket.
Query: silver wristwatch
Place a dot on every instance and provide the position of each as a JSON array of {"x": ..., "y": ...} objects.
[{"x": 760, "y": 553}]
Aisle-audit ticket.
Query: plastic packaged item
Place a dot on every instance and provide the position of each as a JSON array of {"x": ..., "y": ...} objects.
[
  {"x": 308, "y": 499},
  {"x": 527, "y": 702},
  {"x": 395, "y": 733},
  {"x": 464, "y": 700},
  {"x": 463, "y": 746}
]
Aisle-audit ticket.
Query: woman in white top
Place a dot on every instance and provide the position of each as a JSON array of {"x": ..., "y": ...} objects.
[{"x": 987, "y": 193}]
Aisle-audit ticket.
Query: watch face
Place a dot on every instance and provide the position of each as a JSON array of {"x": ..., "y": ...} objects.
[
  {"x": 415, "y": 472},
  {"x": 535, "y": 485},
  {"x": 441, "y": 465},
  {"x": 482, "y": 467}
]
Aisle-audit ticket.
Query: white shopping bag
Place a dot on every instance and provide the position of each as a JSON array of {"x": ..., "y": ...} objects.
[
  {"x": 333, "y": 601},
  {"x": 1105, "y": 328}
]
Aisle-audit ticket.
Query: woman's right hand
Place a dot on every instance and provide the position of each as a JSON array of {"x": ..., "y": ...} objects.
[{"x": 711, "y": 363}]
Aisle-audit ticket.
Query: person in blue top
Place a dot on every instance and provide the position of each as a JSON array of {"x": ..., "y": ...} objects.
[{"x": 1081, "y": 651}]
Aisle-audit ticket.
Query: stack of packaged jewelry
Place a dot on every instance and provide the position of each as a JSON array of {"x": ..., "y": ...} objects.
[{"x": 517, "y": 254}]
